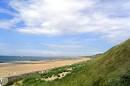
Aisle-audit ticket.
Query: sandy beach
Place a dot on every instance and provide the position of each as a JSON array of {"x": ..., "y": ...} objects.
[{"x": 8, "y": 69}]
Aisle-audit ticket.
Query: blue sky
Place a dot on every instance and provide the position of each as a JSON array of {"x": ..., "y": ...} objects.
[{"x": 62, "y": 27}]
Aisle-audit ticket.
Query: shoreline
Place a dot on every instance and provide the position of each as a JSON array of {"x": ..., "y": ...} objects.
[
  {"x": 24, "y": 67},
  {"x": 38, "y": 61}
]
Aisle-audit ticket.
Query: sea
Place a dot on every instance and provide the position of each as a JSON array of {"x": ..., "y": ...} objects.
[{"x": 8, "y": 59}]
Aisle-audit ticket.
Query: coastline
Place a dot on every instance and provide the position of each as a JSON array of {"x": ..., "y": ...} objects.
[{"x": 23, "y": 67}]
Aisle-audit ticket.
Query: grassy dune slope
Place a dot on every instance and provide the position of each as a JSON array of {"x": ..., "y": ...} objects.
[{"x": 110, "y": 69}]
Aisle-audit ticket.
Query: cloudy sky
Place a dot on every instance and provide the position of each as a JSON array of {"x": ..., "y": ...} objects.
[{"x": 62, "y": 27}]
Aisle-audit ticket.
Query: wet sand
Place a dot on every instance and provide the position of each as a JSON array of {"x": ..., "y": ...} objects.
[{"x": 13, "y": 69}]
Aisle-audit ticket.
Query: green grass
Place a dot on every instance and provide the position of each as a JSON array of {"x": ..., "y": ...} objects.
[{"x": 110, "y": 69}]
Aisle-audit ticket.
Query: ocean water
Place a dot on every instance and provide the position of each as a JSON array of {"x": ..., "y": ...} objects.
[{"x": 4, "y": 59}]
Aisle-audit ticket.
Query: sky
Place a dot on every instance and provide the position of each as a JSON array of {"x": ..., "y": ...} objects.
[{"x": 62, "y": 27}]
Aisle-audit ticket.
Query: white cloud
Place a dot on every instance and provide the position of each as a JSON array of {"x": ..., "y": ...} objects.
[
  {"x": 49, "y": 16},
  {"x": 2, "y": 10},
  {"x": 65, "y": 46},
  {"x": 5, "y": 24},
  {"x": 8, "y": 24},
  {"x": 58, "y": 17},
  {"x": 35, "y": 52},
  {"x": 54, "y": 52}
]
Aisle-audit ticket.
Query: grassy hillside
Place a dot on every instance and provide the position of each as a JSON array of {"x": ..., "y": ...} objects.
[{"x": 110, "y": 69}]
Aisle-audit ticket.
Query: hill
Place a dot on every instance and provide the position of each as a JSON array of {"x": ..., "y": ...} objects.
[{"x": 109, "y": 69}]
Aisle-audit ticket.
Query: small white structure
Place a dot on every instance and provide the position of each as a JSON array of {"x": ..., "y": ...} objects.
[{"x": 3, "y": 81}]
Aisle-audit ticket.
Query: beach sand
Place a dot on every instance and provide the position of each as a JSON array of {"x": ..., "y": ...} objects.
[{"x": 7, "y": 70}]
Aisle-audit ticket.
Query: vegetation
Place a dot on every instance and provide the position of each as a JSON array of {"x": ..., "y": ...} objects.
[{"x": 109, "y": 69}]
